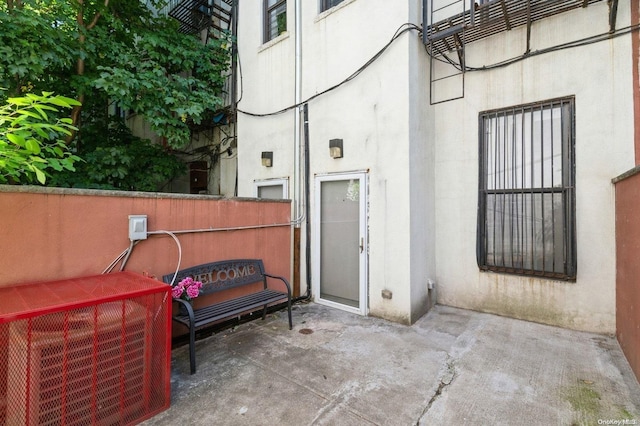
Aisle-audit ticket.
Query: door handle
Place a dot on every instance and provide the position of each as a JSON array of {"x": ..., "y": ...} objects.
[{"x": 361, "y": 244}]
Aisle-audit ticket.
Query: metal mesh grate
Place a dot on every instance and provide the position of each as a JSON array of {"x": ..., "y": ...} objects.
[{"x": 102, "y": 359}]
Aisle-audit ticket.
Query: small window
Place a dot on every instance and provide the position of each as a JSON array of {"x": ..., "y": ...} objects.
[
  {"x": 275, "y": 18},
  {"x": 274, "y": 189},
  {"x": 526, "y": 210},
  {"x": 328, "y": 4}
]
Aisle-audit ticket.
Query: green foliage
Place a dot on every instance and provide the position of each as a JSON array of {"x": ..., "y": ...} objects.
[
  {"x": 139, "y": 60},
  {"x": 33, "y": 49},
  {"x": 120, "y": 53},
  {"x": 31, "y": 143},
  {"x": 150, "y": 81},
  {"x": 119, "y": 160}
]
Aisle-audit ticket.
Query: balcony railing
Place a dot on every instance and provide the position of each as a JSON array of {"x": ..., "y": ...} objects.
[
  {"x": 491, "y": 17},
  {"x": 196, "y": 15}
]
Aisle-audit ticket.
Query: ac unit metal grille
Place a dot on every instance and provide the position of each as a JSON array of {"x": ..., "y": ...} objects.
[{"x": 104, "y": 363}]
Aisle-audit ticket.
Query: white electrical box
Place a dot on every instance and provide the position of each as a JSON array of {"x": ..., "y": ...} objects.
[{"x": 137, "y": 227}]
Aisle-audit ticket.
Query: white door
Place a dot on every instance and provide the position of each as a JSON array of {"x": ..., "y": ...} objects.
[{"x": 340, "y": 259}]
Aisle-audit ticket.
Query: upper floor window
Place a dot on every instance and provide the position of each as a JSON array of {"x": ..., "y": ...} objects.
[
  {"x": 526, "y": 211},
  {"x": 275, "y": 18},
  {"x": 328, "y": 4}
]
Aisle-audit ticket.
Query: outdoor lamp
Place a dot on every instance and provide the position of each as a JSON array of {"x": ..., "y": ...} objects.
[
  {"x": 335, "y": 148},
  {"x": 267, "y": 158}
]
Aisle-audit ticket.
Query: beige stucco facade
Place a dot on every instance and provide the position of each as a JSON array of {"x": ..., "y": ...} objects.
[
  {"x": 600, "y": 77},
  {"x": 421, "y": 160}
]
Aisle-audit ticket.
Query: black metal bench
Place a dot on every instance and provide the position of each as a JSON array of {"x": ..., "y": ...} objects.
[{"x": 224, "y": 275}]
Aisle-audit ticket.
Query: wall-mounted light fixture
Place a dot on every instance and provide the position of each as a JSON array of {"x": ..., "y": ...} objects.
[
  {"x": 267, "y": 158},
  {"x": 335, "y": 148}
]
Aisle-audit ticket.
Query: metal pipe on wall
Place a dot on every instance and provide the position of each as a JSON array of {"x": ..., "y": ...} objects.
[
  {"x": 297, "y": 191},
  {"x": 307, "y": 186},
  {"x": 301, "y": 168}
]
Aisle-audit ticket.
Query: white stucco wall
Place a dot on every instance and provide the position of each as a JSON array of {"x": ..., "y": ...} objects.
[
  {"x": 422, "y": 160},
  {"x": 266, "y": 84},
  {"x": 421, "y": 173},
  {"x": 599, "y": 76},
  {"x": 370, "y": 113}
]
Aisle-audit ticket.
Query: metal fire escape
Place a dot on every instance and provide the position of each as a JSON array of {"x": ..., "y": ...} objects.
[
  {"x": 197, "y": 15},
  {"x": 218, "y": 18},
  {"x": 211, "y": 19},
  {"x": 452, "y": 24}
]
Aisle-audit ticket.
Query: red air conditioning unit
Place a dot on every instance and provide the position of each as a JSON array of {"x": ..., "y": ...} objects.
[{"x": 92, "y": 350}]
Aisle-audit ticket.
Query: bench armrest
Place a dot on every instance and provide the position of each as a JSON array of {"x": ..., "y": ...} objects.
[
  {"x": 189, "y": 308},
  {"x": 284, "y": 280}
]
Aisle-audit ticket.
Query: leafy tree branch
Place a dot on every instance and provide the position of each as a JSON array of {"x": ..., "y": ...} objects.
[
  {"x": 31, "y": 141},
  {"x": 106, "y": 53}
]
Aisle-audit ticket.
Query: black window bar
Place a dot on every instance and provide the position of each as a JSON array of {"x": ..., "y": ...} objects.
[{"x": 526, "y": 202}]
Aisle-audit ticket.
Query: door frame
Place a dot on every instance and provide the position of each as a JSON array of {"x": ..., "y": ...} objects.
[{"x": 362, "y": 177}]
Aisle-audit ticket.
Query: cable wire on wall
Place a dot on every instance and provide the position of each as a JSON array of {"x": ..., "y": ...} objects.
[
  {"x": 406, "y": 27},
  {"x": 401, "y": 30}
]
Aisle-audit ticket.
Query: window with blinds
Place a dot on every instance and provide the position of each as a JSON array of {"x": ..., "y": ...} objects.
[
  {"x": 526, "y": 210},
  {"x": 275, "y": 18}
]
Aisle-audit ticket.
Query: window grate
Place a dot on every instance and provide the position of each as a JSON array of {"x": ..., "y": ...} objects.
[{"x": 526, "y": 211}]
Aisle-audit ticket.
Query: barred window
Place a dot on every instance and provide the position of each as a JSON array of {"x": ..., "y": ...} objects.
[
  {"x": 526, "y": 202},
  {"x": 275, "y": 18}
]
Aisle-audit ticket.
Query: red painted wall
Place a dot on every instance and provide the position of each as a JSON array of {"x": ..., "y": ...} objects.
[
  {"x": 51, "y": 233},
  {"x": 628, "y": 267}
]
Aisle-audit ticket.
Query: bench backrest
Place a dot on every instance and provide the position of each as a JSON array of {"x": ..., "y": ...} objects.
[{"x": 223, "y": 275}]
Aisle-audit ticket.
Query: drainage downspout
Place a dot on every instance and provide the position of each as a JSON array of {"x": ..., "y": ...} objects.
[
  {"x": 307, "y": 206},
  {"x": 234, "y": 80},
  {"x": 297, "y": 213},
  {"x": 298, "y": 170}
]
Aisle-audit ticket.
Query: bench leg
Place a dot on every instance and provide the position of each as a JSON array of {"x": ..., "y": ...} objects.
[
  {"x": 289, "y": 309},
  {"x": 264, "y": 312},
  {"x": 192, "y": 349}
]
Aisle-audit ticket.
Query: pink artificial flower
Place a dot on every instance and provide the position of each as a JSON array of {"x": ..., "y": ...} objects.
[
  {"x": 187, "y": 288},
  {"x": 177, "y": 291},
  {"x": 192, "y": 291}
]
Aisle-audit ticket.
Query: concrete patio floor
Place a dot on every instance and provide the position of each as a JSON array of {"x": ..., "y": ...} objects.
[{"x": 453, "y": 366}]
